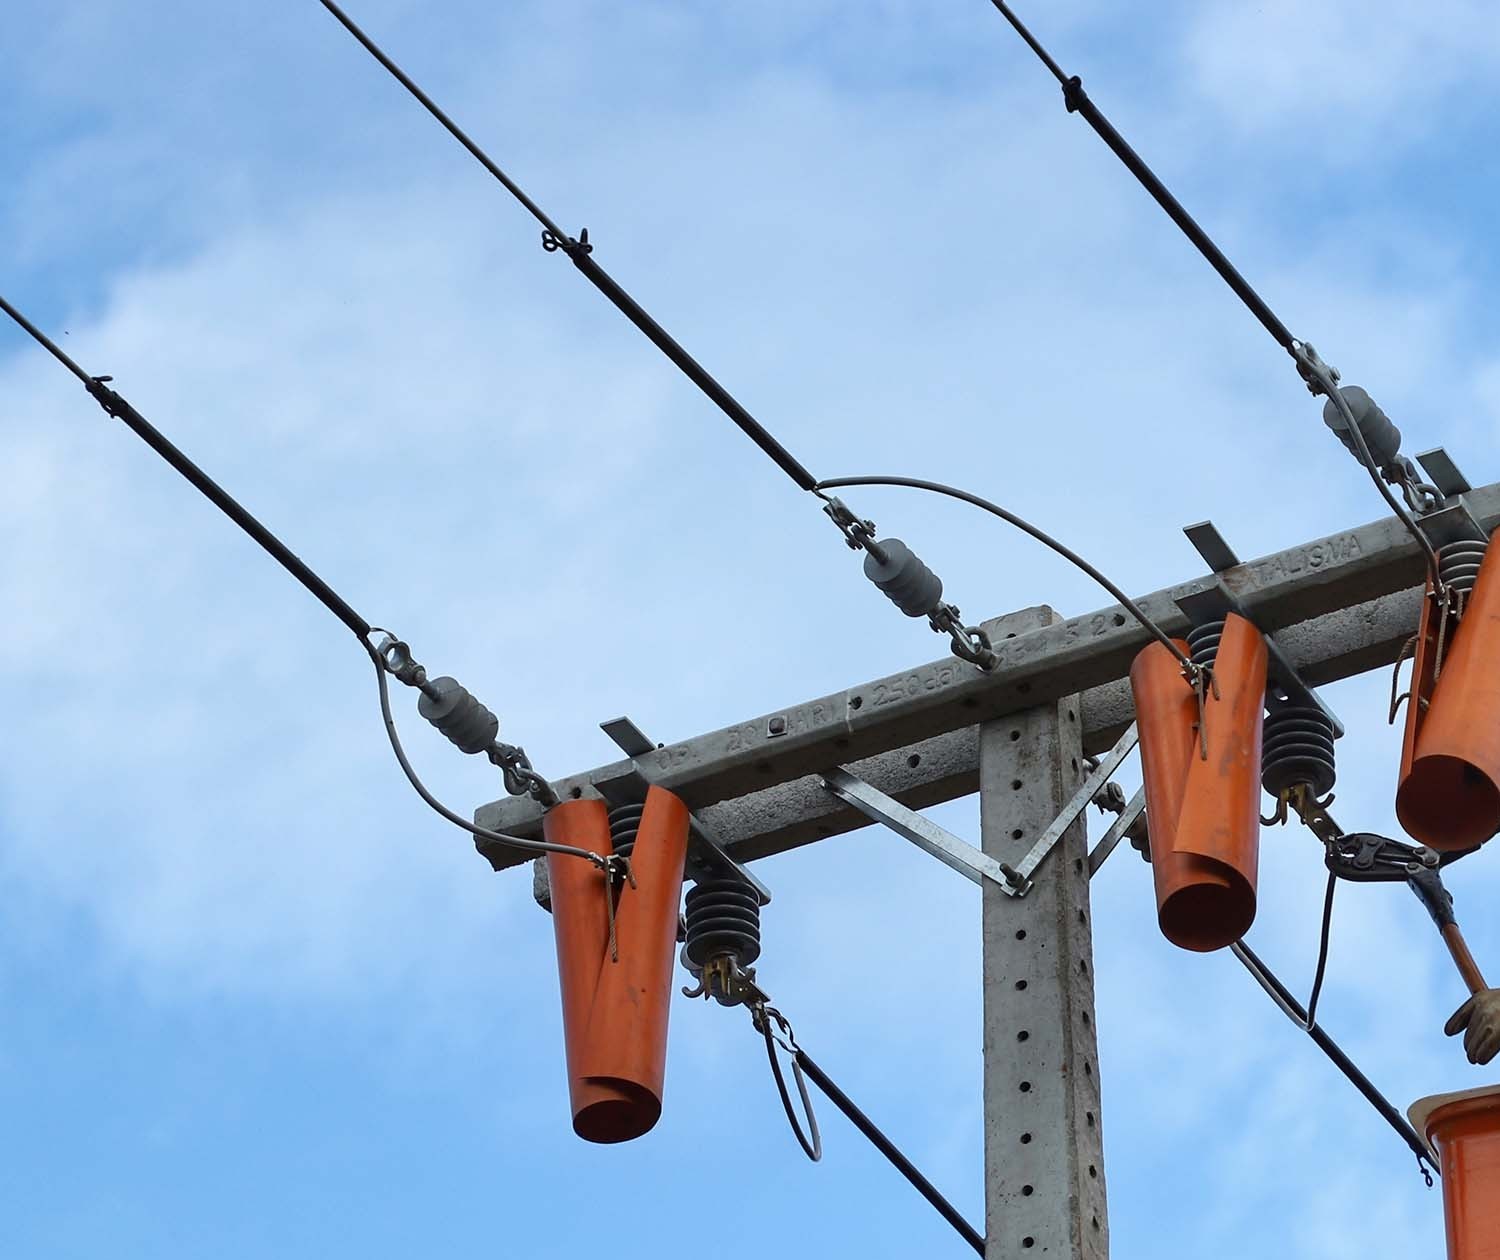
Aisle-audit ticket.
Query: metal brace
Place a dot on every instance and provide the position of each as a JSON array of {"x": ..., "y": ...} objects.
[{"x": 972, "y": 863}]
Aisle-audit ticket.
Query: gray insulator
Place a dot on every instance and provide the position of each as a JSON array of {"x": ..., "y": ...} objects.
[
  {"x": 450, "y": 708},
  {"x": 914, "y": 588},
  {"x": 1381, "y": 436}
]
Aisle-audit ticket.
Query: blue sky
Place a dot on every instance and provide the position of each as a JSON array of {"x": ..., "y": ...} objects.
[{"x": 256, "y": 999}]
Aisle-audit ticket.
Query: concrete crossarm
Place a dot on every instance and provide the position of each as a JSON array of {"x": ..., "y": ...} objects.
[{"x": 1342, "y": 605}]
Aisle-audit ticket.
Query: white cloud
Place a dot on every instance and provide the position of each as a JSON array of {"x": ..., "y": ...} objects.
[{"x": 1339, "y": 66}]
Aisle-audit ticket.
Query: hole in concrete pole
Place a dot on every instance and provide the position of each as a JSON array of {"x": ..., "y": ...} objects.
[
  {"x": 1093, "y": 1172},
  {"x": 1023, "y": 1035},
  {"x": 1028, "y": 1191},
  {"x": 1016, "y": 785},
  {"x": 856, "y": 702},
  {"x": 1088, "y": 1068},
  {"x": 1026, "y": 1087},
  {"x": 1094, "y": 1221},
  {"x": 1016, "y": 833},
  {"x": 1119, "y": 619},
  {"x": 576, "y": 793},
  {"x": 1028, "y": 1241},
  {"x": 914, "y": 761},
  {"x": 1020, "y": 934},
  {"x": 1015, "y": 735},
  {"x": 1020, "y": 984},
  {"x": 1089, "y": 1116},
  {"x": 1025, "y": 1138}
]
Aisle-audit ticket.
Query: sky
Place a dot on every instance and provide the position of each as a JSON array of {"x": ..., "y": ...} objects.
[{"x": 255, "y": 998}]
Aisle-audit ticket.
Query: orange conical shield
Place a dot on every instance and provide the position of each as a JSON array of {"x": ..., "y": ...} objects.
[
  {"x": 1449, "y": 793},
  {"x": 615, "y": 1012},
  {"x": 1464, "y": 1128},
  {"x": 1204, "y": 813}
]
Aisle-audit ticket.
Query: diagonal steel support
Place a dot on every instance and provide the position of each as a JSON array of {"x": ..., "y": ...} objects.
[
  {"x": 937, "y": 841},
  {"x": 964, "y": 857}
]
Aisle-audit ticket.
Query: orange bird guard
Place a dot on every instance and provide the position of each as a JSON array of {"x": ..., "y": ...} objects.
[
  {"x": 615, "y": 1010},
  {"x": 1204, "y": 813},
  {"x": 1449, "y": 793},
  {"x": 1464, "y": 1129}
]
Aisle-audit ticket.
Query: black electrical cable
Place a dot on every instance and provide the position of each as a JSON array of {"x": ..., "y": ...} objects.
[
  {"x": 579, "y": 252},
  {"x": 1041, "y": 535},
  {"x": 1325, "y": 936},
  {"x": 1077, "y": 101},
  {"x": 1293, "y": 1010},
  {"x": 889, "y": 1149},
  {"x": 1311, "y": 369},
  {"x": 764, "y": 1016},
  {"x": 120, "y": 409}
]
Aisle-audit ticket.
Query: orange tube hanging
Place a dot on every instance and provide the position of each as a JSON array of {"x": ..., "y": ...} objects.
[
  {"x": 1204, "y": 814},
  {"x": 615, "y": 1013},
  {"x": 1449, "y": 792},
  {"x": 1465, "y": 1130}
]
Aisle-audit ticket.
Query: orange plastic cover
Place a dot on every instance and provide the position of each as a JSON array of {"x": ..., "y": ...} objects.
[
  {"x": 1204, "y": 815},
  {"x": 1449, "y": 793},
  {"x": 615, "y": 1013},
  {"x": 1465, "y": 1129}
]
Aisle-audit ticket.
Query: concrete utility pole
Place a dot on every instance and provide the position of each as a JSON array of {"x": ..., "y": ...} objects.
[{"x": 1335, "y": 607}]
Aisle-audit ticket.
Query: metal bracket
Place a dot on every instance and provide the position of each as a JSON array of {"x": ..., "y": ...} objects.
[
  {"x": 964, "y": 857},
  {"x": 1439, "y": 465},
  {"x": 1091, "y": 787},
  {"x": 942, "y": 844},
  {"x": 1284, "y": 684},
  {"x": 1099, "y": 854},
  {"x": 705, "y": 855}
]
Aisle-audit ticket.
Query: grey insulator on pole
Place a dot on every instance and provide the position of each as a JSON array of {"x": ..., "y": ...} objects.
[
  {"x": 453, "y": 710},
  {"x": 914, "y": 588},
  {"x": 1381, "y": 436}
]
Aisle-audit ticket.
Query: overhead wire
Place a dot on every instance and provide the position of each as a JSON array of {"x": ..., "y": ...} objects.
[
  {"x": 120, "y": 409},
  {"x": 763, "y": 1016},
  {"x": 580, "y": 252},
  {"x": 1294, "y": 1011},
  {"x": 1319, "y": 377}
]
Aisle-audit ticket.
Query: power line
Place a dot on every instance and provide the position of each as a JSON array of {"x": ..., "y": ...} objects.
[
  {"x": 903, "y": 571},
  {"x": 118, "y": 408},
  {"x": 1319, "y": 376},
  {"x": 512, "y": 761},
  {"x": 580, "y": 252}
]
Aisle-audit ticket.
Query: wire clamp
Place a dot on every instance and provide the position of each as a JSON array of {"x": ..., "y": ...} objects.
[
  {"x": 858, "y": 533},
  {"x": 396, "y": 659},
  {"x": 551, "y": 242},
  {"x": 969, "y": 643},
  {"x": 1320, "y": 377},
  {"x": 520, "y": 778},
  {"x": 1074, "y": 96}
]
